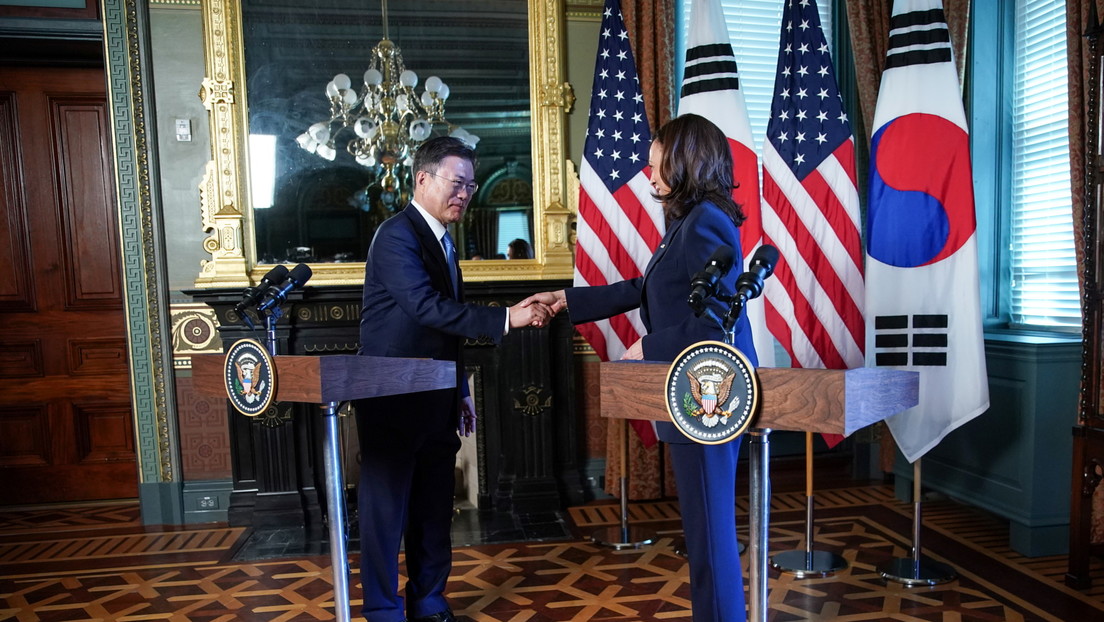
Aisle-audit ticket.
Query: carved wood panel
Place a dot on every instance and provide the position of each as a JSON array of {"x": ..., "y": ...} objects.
[
  {"x": 66, "y": 424},
  {"x": 16, "y": 291}
]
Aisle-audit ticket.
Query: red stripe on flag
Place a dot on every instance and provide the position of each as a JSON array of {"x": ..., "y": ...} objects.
[
  {"x": 845, "y": 153},
  {"x": 810, "y": 249},
  {"x": 807, "y": 321},
  {"x": 620, "y": 259},
  {"x": 637, "y": 215}
]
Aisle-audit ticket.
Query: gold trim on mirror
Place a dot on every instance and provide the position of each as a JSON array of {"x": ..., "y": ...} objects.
[{"x": 228, "y": 219}]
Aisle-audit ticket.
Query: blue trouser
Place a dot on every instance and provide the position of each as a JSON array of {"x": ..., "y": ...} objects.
[{"x": 706, "y": 476}]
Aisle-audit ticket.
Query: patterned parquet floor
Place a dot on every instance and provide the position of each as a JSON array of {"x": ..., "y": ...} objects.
[{"x": 97, "y": 562}]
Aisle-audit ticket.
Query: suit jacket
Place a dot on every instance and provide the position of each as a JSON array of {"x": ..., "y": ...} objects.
[
  {"x": 409, "y": 309},
  {"x": 662, "y": 292}
]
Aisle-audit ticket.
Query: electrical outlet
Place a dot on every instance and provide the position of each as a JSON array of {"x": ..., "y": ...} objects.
[{"x": 208, "y": 503}]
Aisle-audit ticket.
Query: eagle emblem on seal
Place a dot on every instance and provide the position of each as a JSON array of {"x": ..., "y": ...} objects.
[
  {"x": 249, "y": 383},
  {"x": 710, "y": 390}
]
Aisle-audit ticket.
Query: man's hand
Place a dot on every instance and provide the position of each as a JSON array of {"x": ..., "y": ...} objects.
[
  {"x": 529, "y": 313},
  {"x": 467, "y": 416},
  {"x": 556, "y": 301}
]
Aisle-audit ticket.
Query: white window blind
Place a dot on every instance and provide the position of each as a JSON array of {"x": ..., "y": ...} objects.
[
  {"x": 1043, "y": 266},
  {"x": 753, "y": 30}
]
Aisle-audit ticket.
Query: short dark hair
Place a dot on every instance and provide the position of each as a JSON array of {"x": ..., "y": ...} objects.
[
  {"x": 696, "y": 166},
  {"x": 431, "y": 152},
  {"x": 521, "y": 248}
]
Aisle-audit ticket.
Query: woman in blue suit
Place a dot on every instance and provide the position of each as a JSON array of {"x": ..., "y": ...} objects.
[{"x": 691, "y": 171}]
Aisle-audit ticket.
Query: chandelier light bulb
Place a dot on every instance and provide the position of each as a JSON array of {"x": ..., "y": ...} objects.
[
  {"x": 331, "y": 90},
  {"x": 327, "y": 152},
  {"x": 348, "y": 97},
  {"x": 303, "y": 140},
  {"x": 373, "y": 77},
  {"x": 408, "y": 78},
  {"x": 443, "y": 92},
  {"x": 320, "y": 131},
  {"x": 433, "y": 84},
  {"x": 427, "y": 98},
  {"x": 342, "y": 81},
  {"x": 365, "y": 127},
  {"x": 420, "y": 130},
  {"x": 403, "y": 102}
]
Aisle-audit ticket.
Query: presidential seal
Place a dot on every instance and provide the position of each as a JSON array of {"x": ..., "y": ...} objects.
[
  {"x": 712, "y": 392},
  {"x": 250, "y": 377}
]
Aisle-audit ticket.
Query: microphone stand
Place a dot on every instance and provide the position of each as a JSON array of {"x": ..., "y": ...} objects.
[{"x": 272, "y": 316}]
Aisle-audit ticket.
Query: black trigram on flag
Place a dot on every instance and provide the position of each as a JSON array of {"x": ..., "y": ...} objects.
[
  {"x": 918, "y": 38},
  {"x": 710, "y": 68},
  {"x": 910, "y": 340}
]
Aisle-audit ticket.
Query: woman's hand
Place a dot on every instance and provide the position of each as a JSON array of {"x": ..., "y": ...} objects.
[{"x": 635, "y": 351}]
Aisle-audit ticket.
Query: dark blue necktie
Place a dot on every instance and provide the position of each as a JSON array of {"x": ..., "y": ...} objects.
[{"x": 450, "y": 257}]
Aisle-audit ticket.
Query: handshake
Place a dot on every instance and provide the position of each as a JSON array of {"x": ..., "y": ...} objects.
[{"x": 537, "y": 309}]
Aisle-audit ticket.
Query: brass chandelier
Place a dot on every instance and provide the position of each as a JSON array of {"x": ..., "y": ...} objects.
[{"x": 389, "y": 120}]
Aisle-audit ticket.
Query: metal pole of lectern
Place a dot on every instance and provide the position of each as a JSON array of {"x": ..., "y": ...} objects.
[
  {"x": 759, "y": 519},
  {"x": 335, "y": 505},
  {"x": 808, "y": 563},
  {"x": 623, "y": 536},
  {"x": 917, "y": 570}
]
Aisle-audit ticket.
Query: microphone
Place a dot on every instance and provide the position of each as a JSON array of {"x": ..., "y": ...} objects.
[
  {"x": 253, "y": 295},
  {"x": 761, "y": 266},
  {"x": 295, "y": 279},
  {"x": 704, "y": 283}
]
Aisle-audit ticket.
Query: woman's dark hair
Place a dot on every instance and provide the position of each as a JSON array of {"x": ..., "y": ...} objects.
[
  {"x": 696, "y": 166},
  {"x": 431, "y": 152},
  {"x": 519, "y": 248}
]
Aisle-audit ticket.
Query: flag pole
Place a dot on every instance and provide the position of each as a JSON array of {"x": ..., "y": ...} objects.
[
  {"x": 917, "y": 569},
  {"x": 808, "y": 563},
  {"x": 623, "y": 536}
]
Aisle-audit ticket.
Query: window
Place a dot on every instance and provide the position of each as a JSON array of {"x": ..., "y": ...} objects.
[{"x": 1044, "y": 291}]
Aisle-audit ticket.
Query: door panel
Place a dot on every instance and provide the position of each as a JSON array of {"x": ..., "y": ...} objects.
[{"x": 66, "y": 425}]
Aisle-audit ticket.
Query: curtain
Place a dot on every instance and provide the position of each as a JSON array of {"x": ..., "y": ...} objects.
[
  {"x": 651, "y": 26},
  {"x": 1082, "y": 16}
]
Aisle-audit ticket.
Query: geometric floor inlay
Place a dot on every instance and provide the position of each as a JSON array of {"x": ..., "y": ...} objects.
[{"x": 187, "y": 574}]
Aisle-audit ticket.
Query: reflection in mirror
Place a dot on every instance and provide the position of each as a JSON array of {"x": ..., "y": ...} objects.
[{"x": 311, "y": 204}]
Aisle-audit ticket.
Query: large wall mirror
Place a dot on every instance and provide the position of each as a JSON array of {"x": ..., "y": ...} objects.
[{"x": 266, "y": 199}]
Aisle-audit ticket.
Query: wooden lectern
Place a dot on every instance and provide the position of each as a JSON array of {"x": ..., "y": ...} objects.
[
  {"x": 328, "y": 381},
  {"x": 802, "y": 400}
]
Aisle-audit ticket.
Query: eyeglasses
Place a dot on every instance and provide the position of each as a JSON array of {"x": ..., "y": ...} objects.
[{"x": 471, "y": 187}]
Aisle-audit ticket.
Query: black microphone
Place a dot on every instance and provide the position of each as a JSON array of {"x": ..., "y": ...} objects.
[
  {"x": 761, "y": 266},
  {"x": 253, "y": 295},
  {"x": 295, "y": 279},
  {"x": 704, "y": 283}
]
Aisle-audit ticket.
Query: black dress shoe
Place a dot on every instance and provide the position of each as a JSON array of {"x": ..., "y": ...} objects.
[{"x": 440, "y": 616}]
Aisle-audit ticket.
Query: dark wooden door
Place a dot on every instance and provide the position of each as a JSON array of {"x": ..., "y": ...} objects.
[{"x": 66, "y": 428}]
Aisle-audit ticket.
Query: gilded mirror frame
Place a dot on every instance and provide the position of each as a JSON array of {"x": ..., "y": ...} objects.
[{"x": 227, "y": 215}]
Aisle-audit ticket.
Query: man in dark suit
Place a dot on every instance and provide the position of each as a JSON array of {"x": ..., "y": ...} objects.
[{"x": 412, "y": 307}]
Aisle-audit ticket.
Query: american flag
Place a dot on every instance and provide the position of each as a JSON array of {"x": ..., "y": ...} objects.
[
  {"x": 811, "y": 211},
  {"x": 620, "y": 223}
]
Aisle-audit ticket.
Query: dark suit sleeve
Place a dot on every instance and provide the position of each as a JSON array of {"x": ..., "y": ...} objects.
[
  {"x": 398, "y": 266},
  {"x": 707, "y": 229},
  {"x": 589, "y": 304}
]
